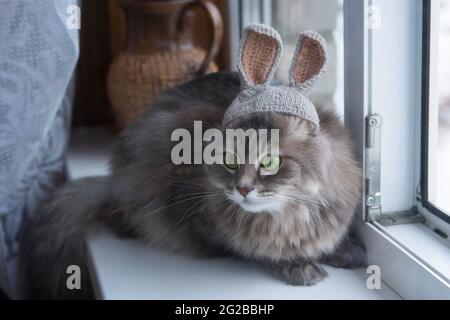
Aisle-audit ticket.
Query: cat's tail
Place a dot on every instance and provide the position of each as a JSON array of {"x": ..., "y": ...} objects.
[{"x": 53, "y": 249}]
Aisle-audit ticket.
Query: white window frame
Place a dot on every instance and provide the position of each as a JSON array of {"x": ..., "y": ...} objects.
[{"x": 371, "y": 55}]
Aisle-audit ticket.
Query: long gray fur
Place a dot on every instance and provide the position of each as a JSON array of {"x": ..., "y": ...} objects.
[{"x": 148, "y": 198}]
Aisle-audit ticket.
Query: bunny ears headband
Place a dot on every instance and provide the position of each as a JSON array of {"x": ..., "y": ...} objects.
[{"x": 259, "y": 56}]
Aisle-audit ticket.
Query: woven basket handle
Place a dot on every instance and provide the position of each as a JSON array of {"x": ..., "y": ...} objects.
[{"x": 217, "y": 27}]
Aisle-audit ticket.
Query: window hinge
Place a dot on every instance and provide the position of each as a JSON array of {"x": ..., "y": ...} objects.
[
  {"x": 372, "y": 167},
  {"x": 374, "y": 213}
]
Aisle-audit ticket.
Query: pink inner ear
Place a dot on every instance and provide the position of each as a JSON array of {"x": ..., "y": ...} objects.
[
  {"x": 260, "y": 52},
  {"x": 310, "y": 61}
]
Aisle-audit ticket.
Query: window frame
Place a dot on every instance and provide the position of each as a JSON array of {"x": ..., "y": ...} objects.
[
  {"x": 425, "y": 145},
  {"x": 383, "y": 247}
]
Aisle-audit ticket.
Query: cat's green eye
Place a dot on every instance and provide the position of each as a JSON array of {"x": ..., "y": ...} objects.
[
  {"x": 230, "y": 161},
  {"x": 270, "y": 162}
]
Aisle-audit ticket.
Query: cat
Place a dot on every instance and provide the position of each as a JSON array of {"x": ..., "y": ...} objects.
[{"x": 289, "y": 222}]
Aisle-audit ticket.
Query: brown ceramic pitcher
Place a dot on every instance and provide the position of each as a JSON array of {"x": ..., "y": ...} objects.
[{"x": 159, "y": 53}]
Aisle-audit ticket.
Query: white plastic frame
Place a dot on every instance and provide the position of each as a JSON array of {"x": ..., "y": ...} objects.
[{"x": 383, "y": 75}]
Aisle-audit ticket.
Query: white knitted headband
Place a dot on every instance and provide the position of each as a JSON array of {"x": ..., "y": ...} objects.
[{"x": 259, "y": 56}]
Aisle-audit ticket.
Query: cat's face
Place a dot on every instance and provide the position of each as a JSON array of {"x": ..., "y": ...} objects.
[{"x": 278, "y": 178}]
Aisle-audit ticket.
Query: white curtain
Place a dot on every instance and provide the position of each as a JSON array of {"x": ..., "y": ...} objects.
[{"x": 38, "y": 53}]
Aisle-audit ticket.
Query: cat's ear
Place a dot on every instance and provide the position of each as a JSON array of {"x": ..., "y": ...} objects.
[
  {"x": 309, "y": 62},
  {"x": 259, "y": 54}
]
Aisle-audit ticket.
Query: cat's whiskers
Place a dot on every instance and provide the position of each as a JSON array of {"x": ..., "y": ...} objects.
[
  {"x": 173, "y": 204},
  {"x": 217, "y": 199},
  {"x": 198, "y": 193},
  {"x": 301, "y": 201},
  {"x": 313, "y": 210},
  {"x": 212, "y": 197}
]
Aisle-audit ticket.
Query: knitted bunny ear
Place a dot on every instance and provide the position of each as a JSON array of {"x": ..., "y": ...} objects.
[
  {"x": 259, "y": 54},
  {"x": 309, "y": 62}
]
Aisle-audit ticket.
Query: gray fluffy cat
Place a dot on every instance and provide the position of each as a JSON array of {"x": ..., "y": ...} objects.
[{"x": 290, "y": 221}]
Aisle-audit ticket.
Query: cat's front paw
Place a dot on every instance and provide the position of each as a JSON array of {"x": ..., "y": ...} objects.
[{"x": 302, "y": 273}]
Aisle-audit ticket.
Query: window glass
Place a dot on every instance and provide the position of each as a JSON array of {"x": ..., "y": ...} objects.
[
  {"x": 439, "y": 122},
  {"x": 290, "y": 17}
]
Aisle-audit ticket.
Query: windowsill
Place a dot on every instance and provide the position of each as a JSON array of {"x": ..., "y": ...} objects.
[
  {"x": 426, "y": 246},
  {"x": 128, "y": 269},
  {"x": 89, "y": 151},
  {"x": 404, "y": 272}
]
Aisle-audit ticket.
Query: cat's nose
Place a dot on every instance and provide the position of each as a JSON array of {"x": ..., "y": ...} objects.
[{"x": 244, "y": 191}]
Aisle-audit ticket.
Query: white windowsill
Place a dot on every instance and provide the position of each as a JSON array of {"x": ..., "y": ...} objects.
[
  {"x": 128, "y": 269},
  {"x": 426, "y": 245},
  {"x": 89, "y": 152},
  {"x": 405, "y": 272}
]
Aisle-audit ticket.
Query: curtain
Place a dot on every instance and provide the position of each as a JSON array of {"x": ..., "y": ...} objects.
[{"x": 38, "y": 53}]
